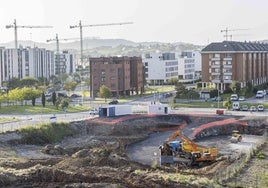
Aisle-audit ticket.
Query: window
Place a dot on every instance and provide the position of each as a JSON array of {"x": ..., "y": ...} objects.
[
  {"x": 103, "y": 79},
  {"x": 102, "y": 72}
]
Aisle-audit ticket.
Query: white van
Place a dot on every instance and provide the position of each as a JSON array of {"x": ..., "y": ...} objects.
[
  {"x": 260, "y": 94},
  {"x": 236, "y": 106}
]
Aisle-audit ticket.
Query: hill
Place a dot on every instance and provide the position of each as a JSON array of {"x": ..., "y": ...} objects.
[{"x": 109, "y": 47}]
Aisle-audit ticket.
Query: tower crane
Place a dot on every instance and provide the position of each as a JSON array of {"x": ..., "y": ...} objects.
[
  {"x": 57, "y": 42},
  {"x": 15, "y": 26},
  {"x": 80, "y": 26},
  {"x": 227, "y": 30}
]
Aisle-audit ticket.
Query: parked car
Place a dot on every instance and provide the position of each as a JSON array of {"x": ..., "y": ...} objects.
[
  {"x": 217, "y": 98},
  {"x": 244, "y": 108},
  {"x": 236, "y": 106},
  {"x": 114, "y": 102},
  {"x": 253, "y": 109},
  {"x": 94, "y": 111},
  {"x": 75, "y": 95},
  {"x": 241, "y": 98},
  {"x": 62, "y": 95},
  {"x": 234, "y": 97},
  {"x": 260, "y": 94},
  {"x": 260, "y": 108}
]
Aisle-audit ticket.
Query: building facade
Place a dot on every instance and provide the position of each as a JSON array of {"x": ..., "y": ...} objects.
[
  {"x": 227, "y": 62},
  {"x": 33, "y": 62},
  {"x": 119, "y": 74},
  {"x": 160, "y": 67}
]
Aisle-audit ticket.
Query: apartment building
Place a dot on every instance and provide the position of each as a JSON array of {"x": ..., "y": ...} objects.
[
  {"x": 33, "y": 62},
  {"x": 122, "y": 75},
  {"x": 189, "y": 63},
  {"x": 160, "y": 67},
  {"x": 226, "y": 62},
  {"x": 65, "y": 63}
]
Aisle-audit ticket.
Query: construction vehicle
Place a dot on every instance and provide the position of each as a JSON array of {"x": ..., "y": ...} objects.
[
  {"x": 236, "y": 137},
  {"x": 186, "y": 149}
]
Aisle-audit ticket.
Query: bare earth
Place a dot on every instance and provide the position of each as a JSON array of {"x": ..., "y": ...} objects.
[{"x": 120, "y": 152}]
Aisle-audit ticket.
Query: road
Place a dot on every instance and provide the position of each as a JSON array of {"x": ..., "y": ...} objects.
[{"x": 138, "y": 105}]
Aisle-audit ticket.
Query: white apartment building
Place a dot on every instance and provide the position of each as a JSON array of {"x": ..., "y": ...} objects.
[
  {"x": 33, "y": 62},
  {"x": 160, "y": 67},
  {"x": 189, "y": 65},
  {"x": 65, "y": 63}
]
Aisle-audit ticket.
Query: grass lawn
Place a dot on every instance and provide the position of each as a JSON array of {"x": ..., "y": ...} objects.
[{"x": 38, "y": 109}]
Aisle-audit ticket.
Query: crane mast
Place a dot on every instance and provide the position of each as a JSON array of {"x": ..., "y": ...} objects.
[
  {"x": 80, "y": 26},
  {"x": 15, "y": 26}
]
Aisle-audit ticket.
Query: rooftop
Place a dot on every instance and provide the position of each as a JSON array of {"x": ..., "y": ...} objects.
[{"x": 233, "y": 46}]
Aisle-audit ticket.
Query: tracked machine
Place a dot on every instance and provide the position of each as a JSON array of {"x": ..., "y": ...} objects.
[
  {"x": 185, "y": 151},
  {"x": 236, "y": 137}
]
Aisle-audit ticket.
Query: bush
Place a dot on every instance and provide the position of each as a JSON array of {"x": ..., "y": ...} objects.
[{"x": 45, "y": 134}]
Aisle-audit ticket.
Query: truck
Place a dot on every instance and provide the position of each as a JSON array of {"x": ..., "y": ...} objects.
[{"x": 186, "y": 149}]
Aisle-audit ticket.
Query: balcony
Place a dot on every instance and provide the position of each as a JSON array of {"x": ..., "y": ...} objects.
[
  {"x": 215, "y": 59},
  {"x": 227, "y": 74},
  {"x": 227, "y": 81},
  {"x": 215, "y": 66},
  {"x": 227, "y": 66},
  {"x": 216, "y": 81},
  {"x": 215, "y": 73},
  {"x": 227, "y": 59}
]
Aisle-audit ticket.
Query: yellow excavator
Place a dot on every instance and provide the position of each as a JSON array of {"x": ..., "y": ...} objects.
[
  {"x": 236, "y": 137},
  {"x": 186, "y": 149}
]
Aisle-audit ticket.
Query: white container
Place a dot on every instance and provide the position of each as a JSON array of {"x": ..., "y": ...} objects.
[{"x": 158, "y": 109}]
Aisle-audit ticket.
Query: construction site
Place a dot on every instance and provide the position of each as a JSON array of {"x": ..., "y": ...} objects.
[{"x": 143, "y": 150}]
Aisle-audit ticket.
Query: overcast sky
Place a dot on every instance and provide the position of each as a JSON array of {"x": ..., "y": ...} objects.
[{"x": 193, "y": 21}]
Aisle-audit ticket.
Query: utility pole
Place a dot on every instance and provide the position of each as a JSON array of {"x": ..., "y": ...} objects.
[
  {"x": 15, "y": 26},
  {"x": 80, "y": 26}
]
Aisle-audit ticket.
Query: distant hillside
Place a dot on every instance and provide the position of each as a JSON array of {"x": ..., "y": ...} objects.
[{"x": 111, "y": 47}]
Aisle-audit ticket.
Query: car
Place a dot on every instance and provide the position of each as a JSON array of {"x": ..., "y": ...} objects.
[
  {"x": 217, "y": 99},
  {"x": 94, "y": 111},
  {"x": 234, "y": 97},
  {"x": 244, "y": 108},
  {"x": 241, "y": 98},
  {"x": 260, "y": 108},
  {"x": 62, "y": 95},
  {"x": 260, "y": 94},
  {"x": 236, "y": 106},
  {"x": 253, "y": 109},
  {"x": 114, "y": 102},
  {"x": 75, "y": 95}
]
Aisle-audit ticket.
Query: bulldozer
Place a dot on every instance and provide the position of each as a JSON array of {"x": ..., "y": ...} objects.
[
  {"x": 236, "y": 137},
  {"x": 186, "y": 149}
]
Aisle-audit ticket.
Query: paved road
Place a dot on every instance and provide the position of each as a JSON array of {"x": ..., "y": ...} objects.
[{"x": 34, "y": 120}]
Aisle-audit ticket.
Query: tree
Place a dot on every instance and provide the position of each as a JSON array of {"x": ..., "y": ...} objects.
[
  {"x": 173, "y": 81},
  {"x": 13, "y": 83},
  {"x": 105, "y": 92},
  {"x": 15, "y": 95},
  {"x": 29, "y": 82},
  {"x": 30, "y": 94},
  {"x": 43, "y": 99},
  {"x": 70, "y": 85},
  {"x": 54, "y": 98}
]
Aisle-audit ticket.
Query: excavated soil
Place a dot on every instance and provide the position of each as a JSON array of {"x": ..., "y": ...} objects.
[{"x": 98, "y": 155}]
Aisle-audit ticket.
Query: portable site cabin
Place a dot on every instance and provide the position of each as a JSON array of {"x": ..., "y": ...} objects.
[
  {"x": 114, "y": 110},
  {"x": 158, "y": 109}
]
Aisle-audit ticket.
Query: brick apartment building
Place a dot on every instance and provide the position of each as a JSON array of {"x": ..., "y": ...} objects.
[
  {"x": 228, "y": 61},
  {"x": 122, "y": 75}
]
